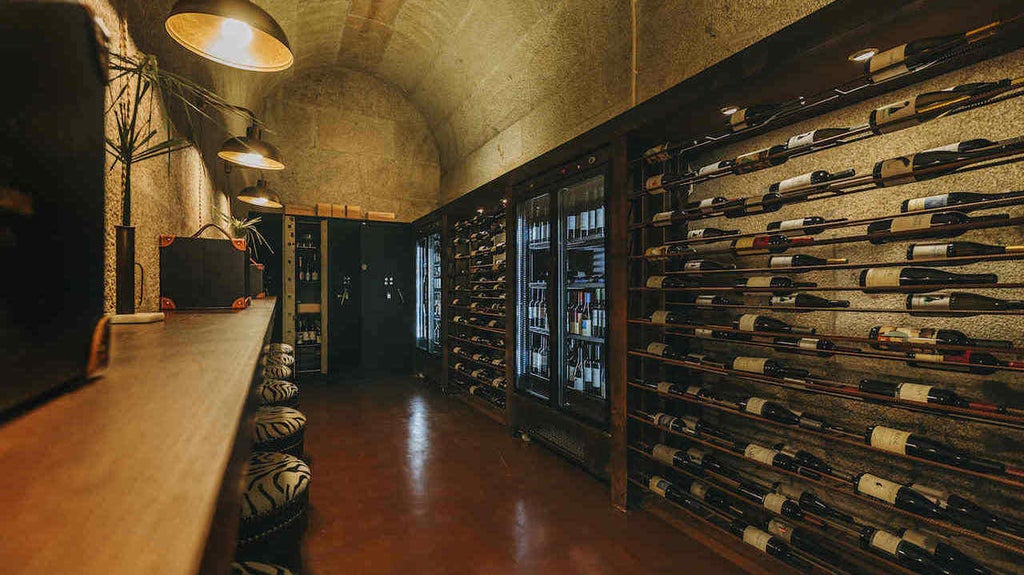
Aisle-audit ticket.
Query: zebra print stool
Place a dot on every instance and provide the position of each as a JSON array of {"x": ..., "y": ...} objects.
[
  {"x": 273, "y": 507},
  {"x": 278, "y": 428},
  {"x": 277, "y": 392},
  {"x": 276, "y": 371},
  {"x": 273, "y": 358},
  {"x": 254, "y": 568},
  {"x": 279, "y": 348}
]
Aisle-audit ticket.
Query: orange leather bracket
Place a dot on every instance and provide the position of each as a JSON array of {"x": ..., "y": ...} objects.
[
  {"x": 167, "y": 303},
  {"x": 166, "y": 241}
]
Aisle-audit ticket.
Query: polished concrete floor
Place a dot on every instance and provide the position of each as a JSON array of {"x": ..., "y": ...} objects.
[{"x": 406, "y": 480}]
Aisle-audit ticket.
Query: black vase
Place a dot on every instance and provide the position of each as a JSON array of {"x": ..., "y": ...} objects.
[{"x": 124, "y": 270}]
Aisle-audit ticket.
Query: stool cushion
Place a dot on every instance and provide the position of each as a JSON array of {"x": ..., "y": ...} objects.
[
  {"x": 277, "y": 422},
  {"x": 277, "y": 392},
  {"x": 274, "y": 482},
  {"x": 278, "y": 347},
  {"x": 277, "y": 359},
  {"x": 277, "y": 371},
  {"x": 254, "y": 568}
]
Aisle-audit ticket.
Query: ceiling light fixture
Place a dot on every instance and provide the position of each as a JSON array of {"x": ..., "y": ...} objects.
[
  {"x": 261, "y": 195},
  {"x": 235, "y": 33},
  {"x": 251, "y": 151},
  {"x": 730, "y": 110},
  {"x": 863, "y": 55}
]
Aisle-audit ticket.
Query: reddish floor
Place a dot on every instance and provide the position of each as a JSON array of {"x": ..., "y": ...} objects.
[{"x": 408, "y": 481}]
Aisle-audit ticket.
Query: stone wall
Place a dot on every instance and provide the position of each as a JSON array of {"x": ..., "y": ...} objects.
[{"x": 349, "y": 138}]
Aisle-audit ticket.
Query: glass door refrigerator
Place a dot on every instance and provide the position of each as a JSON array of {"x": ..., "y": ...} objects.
[
  {"x": 561, "y": 298},
  {"x": 428, "y": 293}
]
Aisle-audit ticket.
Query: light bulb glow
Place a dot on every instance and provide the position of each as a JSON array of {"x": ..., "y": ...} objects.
[
  {"x": 863, "y": 55},
  {"x": 234, "y": 42},
  {"x": 730, "y": 110}
]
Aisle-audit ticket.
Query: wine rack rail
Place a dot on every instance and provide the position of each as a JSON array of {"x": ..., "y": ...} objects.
[
  {"x": 975, "y": 507},
  {"x": 476, "y": 272}
]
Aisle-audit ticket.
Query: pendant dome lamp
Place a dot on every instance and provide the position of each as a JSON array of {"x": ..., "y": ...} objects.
[
  {"x": 235, "y": 33},
  {"x": 251, "y": 151},
  {"x": 261, "y": 195}
]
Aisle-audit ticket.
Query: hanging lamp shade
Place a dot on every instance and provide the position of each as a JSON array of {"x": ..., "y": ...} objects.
[
  {"x": 236, "y": 33},
  {"x": 261, "y": 195},
  {"x": 251, "y": 151}
]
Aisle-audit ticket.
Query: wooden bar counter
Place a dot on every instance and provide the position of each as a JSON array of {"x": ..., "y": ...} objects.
[{"x": 140, "y": 471}]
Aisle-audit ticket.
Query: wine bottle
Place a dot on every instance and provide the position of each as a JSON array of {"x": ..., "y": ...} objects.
[
  {"x": 969, "y": 514},
  {"x": 778, "y": 284},
  {"x": 807, "y": 300},
  {"x": 773, "y": 457},
  {"x": 811, "y": 503},
  {"x": 714, "y": 169},
  {"x": 707, "y": 265},
  {"x": 666, "y": 282},
  {"x": 711, "y": 300},
  {"x": 659, "y": 153},
  {"x": 666, "y": 182},
  {"x": 774, "y": 502},
  {"x": 709, "y": 233},
  {"x": 809, "y": 343},
  {"x": 928, "y": 164},
  {"x": 901, "y": 496},
  {"x": 905, "y": 553},
  {"x": 802, "y": 260},
  {"x": 814, "y": 137},
  {"x": 959, "y": 301},
  {"x": 663, "y": 219},
  {"x": 777, "y": 412},
  {"x": 954, "y": 199},
  {"x": 754, "y": 322},
  {"x": 707, "y": 494},
  {"x": 927, "y": 106},
  {"x": 696, "y": 391},
  {"x": 771, "y": 243},
  {"x": 810, "y": 461},
  {"x": 951, "y": 557},
  {"x": 808, "y": 225},
  {"x": 907, "y": 443},
  {"x": 662, "y": 317},
  {"x": 881, "y": 335},
  {"x": 963, "y": 362},
  {"x": 926, "y": 226},
  {"x": 762, "y": 540},
  {"x": 664, "y": 252},
  {"x": 709, "y": 462},
  {"x": 760, "y": 159},
  {"x": 883, "y": 279},
  {"x": 751, "y": 116},
  {"x": 803, "y": 181},
  {"x": 767, "y": 366},
  {"x": 800, "y": 539},
  {"x": 912, "y": 392},
  {"x": 662, "y": 350},
  {"x": 957, "y": 250},
  {"x": 706, "y": 205}
]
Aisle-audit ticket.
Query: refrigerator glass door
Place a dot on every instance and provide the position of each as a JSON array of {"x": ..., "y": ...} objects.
[
  {"x": 434, "y": 293},
  {"x": 422, "y": 293},
  {"x": 533, "y": 336},
  {"x": 581, "y": 300}
]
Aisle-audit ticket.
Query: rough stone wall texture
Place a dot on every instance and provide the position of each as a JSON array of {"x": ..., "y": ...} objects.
[
  {"x": 999, "y": 121},
  {"x": 171, "y": 195},
  {"x": 349, "y": 138}
]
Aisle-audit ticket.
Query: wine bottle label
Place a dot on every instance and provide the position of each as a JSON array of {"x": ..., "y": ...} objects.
[
  {"x": 801, "y": 140},
  {"x": 878, "y": 488},
  {"x": 694, "y": 390},
  {"x": 755, "y": 405},
  {"x": 750, "y": 364},
  {"x": 663, "y": 419},
  {"x": 748, "y": 322},
  {"x": 653, "y": 184},
  {"x": 930, "y": 301},
  {"x": 658, "y": 153},
  {"x": 885, "y": 541},
  {"x": 780, "y": 530},
  {"x": 665, "y": 386},
  {"x": 690, "y": 421},
  {"x": 659, "y": 317},
  {"x": 781, "y": 262},
  {"x": 896, "y": 171},
  {"x": 738, "y": 119},
  {"x": 915, "y": 392},
  {"x": 934, "y": 494},
  {"x": 664, "y": 454},
  {"x": 783, "y": 301},
  {"x": 698, "y": 490},
  {"x": 705, "y": 300},
  {"x": 930, "y": 202},
  {"x": 694, "y": 234},
  {"x": 695, "y": 455},
  {"x": 693, "y": 265},
  {"x": 894, "y": 117},
  {"x": 657, "y": 253},
  {"x": 743, "y": 243},
  {"x": 929, "y": 357},
  {"x": 912, "y": 223},
  {"x": 706, "y": 204},
  {"x": 756, "y": 538},
  {"x": 764, "y": 455},
  {"x": 888, "y": 439},
  {"x": 773, "y": 502},
  {"x": 883, "y": 277},
  {"x": 954, "y": 147},
  {"x": 711, "y": 168},
  {"x": 657, "y": 348},
  {"x": 655, "y": 281},
  {"x": 662, "y": 219},
  {"x": 759, "y": 282},
  {"x": 888, "y": 64},
  {"x": 923, "y": 540},
  {"x": 808, "y": 343},
  {"x": 695, "y": 357},
  {"x": 929, "y": 251},
  {"x": 658, "y": 485},
  {"x": 795, "y": 182},
  {"x": 703, "y": 332}
]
